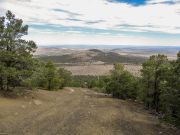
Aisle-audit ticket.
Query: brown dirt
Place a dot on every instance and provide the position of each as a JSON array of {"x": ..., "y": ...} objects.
[
  {"x": 93, "y": 69},
  {"x": 76, "y": 111}
]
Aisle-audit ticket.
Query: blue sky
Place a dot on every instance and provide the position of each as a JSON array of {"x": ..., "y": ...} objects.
[
  {"x": 94, "y": 22},
  {"x": 132, "y": 2}
]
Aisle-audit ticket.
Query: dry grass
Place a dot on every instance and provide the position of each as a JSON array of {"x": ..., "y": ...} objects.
[
  {"x": 101, "y": 69},
  {"x": 76, "y": 111}
]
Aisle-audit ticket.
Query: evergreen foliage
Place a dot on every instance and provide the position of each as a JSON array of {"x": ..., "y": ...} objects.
[
  {"x": 122, "y": 84},
  {"x": 15, "y": 53},
  {"x": 161, "y": 87}
]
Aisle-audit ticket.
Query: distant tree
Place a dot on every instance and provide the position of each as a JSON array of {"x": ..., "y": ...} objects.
[
  {"x": 65, "y": 76},
  {"x": 15, "y": 53},
  {"x": 122, "y": 84},
  {"x": 50, "y": 74}
]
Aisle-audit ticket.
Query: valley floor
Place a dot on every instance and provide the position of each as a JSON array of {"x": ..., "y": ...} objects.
[
  {"x": 76, "y": 111},
  {"x": 100, "y": 69}
]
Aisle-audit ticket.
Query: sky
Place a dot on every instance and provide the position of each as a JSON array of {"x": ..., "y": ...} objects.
[{"x": 99, "y": 22}]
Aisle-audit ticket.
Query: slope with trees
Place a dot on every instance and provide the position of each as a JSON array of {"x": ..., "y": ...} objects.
[
  {"x": 161, "y": 87},
  {"x": 18, "y": 67},
  {"x": 158, "y": 87}
]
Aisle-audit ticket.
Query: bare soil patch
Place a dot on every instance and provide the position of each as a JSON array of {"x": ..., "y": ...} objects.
[
  {"x": 93, "y": 69},
  {"x": 76, "y": 111}
]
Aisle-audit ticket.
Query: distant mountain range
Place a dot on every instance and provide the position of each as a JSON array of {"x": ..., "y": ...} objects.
[
  {"x": 89, "y": 56},
  {"x": 68, "y": 51},
  {"x": 112, "y": 47}
]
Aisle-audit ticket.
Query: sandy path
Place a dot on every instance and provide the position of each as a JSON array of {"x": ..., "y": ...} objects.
[{"x": 75, "y": 112}]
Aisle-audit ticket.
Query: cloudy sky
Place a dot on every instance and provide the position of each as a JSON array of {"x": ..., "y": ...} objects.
[{"x": 93, "y": 22}]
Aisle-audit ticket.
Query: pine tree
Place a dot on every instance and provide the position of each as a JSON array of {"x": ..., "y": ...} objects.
[
  {"x": 153, "y": 74},
  {"x": 15, "y": 53}
]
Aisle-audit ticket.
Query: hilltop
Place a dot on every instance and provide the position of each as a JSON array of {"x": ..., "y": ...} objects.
[{"x": 61, "y": 55}]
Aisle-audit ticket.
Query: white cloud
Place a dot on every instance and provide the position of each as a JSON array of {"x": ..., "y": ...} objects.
[
  {"x": 164, "y": 16},
  {"x": 160, "y": 17},
  {"x": 162, "y": 1},
  {"x": 48, "y": 38}
]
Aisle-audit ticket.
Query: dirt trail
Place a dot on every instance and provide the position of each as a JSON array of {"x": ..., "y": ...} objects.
[{"x": 74, "y": 111}]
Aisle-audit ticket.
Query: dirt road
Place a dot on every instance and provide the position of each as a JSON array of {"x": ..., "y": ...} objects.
[{"x": 74, "y": 111}]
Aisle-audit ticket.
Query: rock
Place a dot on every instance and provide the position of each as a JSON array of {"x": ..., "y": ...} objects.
[
  {"x": 71, "y": 90},
  {"x": 23, "y": 106},
  {"x": 37, "y": 102}
]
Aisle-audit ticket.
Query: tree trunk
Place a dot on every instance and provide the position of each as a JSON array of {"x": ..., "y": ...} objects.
[
  {"x": 7, "y": 84},
  {"x": 148, "y": 94},
  {"x": 1, "y": 83},
  {"x": 156, "y": 93},
  {"x": 49, "y": 85}
]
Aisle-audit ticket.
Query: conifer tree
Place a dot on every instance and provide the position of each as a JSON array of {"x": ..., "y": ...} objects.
[{"x": 15, "y": 53}]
